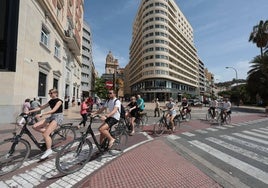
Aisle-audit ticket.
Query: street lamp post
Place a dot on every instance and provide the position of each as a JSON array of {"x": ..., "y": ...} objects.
[
  {"x": 236, "y": 78},
  {"x": 238, "y": 99}
]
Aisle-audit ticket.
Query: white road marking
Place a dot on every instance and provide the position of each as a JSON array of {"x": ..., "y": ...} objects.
[
  {"x": 188, "y": 134},
  {"x": 251, "y": 138},
  {"x": 247, "y": 153},
  {"x": 244, "y": 167},
  {"x": 255, "y": 134},
  {"x": 248, "y": 144}
]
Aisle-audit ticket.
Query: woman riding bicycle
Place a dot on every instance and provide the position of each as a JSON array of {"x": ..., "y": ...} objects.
[
  {"x": 171, "y": 112},
  {"x": 48, "y": 125},
  {"x": 132, "y": 113}
]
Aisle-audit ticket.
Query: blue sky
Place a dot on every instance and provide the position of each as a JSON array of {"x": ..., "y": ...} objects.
[{"x": 221, "y": 31}]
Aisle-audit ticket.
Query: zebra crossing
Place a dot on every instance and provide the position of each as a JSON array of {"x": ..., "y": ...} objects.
[{"x": 239, "y": 149}]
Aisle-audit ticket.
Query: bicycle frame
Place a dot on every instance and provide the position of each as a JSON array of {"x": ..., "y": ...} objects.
[
  {"x": 91, "y": 132},
  {"x": 25, "y": 130},
  {"x": 164, "y": 119}
]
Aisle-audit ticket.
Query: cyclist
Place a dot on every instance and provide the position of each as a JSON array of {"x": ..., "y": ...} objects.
[
  {"x": 171, "y": 112},
  {"x": 213, "y": 104},
  {"x": 110, "y": 119},
  {"x": 184, "y": 106},
  {"x": 48, "y": 125},
  {"x": 132, "y": 113},
  {"x": 226, "y": 108},
  {"x": 140, "y": 103}
]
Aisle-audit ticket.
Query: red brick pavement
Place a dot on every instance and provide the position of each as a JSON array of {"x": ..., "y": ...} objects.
[{"x": 153, "y": 164}]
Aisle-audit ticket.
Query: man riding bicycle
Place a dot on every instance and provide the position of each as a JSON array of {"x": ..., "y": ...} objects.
[
  {"x": 110, "y": 119},
  {"x": 184, "y": 106},
  {"x": 226, "y": 108},
  {"x": 213, "y": 104}
]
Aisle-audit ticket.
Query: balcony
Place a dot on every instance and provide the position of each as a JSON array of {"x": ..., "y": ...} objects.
[{"x": 72, "y": 42}]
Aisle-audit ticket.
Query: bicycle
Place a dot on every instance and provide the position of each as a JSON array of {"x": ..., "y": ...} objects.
[
  {"x": 140, "y": 121},
  {"x": 209, "y": 114},
  {"x": 226, "y": 119},
  {"x": 187, "y": 116},
  {"x": 74, "y": 156},
  {"x": 14, "y": 151},
  {"x": 162, "y": 124}
]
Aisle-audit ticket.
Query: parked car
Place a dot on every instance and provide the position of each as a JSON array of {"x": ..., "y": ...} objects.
[{"x": 194, "y": 102}]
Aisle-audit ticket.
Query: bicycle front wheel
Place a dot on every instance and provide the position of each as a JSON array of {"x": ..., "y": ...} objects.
[
  {"x": 208, "y": 116},
  {"x": 188, "y": 116},
  {"x": 74, "y": 156},
  {"x": 12, "y": 155},
  {"x": 62, "y": 136},
  {"x": 159, "y": 128}
]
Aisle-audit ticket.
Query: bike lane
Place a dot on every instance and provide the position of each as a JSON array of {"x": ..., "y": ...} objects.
[
  {"x": 152, "y": 164},
  {"x": 157, "y": 164}
]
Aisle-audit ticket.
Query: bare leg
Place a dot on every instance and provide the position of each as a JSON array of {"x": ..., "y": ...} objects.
[
  {"x": 104, "y": 130},
  {"x": 40, "y": 126},
  {"x": 46, "y": 134}
]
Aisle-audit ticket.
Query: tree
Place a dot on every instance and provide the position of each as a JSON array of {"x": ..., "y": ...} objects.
[
  {"x": 257, "y": 79},
  {"x": 100, "y": 88},
  {"x": 259, "y": 35}
]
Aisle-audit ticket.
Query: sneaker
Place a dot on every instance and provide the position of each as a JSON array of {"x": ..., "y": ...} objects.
[{"x": 46, "y": 154}]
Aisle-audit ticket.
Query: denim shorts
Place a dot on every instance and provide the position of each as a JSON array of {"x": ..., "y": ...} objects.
[
  {"x": 172, "y": 113},
  {"x": 58, "y": 117}
]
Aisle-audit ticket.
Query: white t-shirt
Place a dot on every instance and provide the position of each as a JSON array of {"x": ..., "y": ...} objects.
[
  {"x": 227, "y": 105},
  {"x": 110, "y": 105}
]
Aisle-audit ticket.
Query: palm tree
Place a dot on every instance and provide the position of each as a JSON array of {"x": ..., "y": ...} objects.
[
  {"x": 259, "y": 35},
  {"x": 257, "y": 79}
]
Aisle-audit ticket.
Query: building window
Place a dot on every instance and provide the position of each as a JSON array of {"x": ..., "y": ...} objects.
[
  {"x": 57, "y": 50},
  {"x": 45, "y": 36},
  {"x": 42, "y": 84},
  {"x": 55, "y": 83}
]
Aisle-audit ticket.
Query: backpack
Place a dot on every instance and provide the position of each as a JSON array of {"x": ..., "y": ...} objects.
[{"x": 123, "y": 111}]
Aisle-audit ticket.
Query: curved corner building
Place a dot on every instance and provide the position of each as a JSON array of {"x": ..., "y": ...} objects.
[{"x": 163, "y": 60}]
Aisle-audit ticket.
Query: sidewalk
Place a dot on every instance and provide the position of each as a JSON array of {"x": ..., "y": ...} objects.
[{"x": 154, "y": 164}]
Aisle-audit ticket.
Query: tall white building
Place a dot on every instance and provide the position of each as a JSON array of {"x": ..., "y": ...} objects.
[
  {"x": 40, "y": 49},
  {"x": 88, "y": 69},
  {"x": 163, "y": 59}
]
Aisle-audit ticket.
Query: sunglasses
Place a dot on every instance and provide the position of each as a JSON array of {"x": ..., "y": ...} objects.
[
  {"x": 50, "y": 93},
  {"x": 110, "y": 93}
]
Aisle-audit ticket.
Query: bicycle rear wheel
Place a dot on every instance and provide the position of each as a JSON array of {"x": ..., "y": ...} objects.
[
  {"x": 12, "y": 155},
  {"x": 228, "y": 119},
  {"x": 139, "y": 124},
  {"x": 62, "y": 136},
  {"x": 121, "y": 139},
  {"x": 144, "y": 118},
  {"x": 177, "y": 122},
  {"x": 74, "y": 156},
  {"x": 159, "y": 128}
]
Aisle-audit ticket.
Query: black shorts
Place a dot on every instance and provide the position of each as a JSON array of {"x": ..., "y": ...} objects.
[{"x": 111, "y": 121}]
